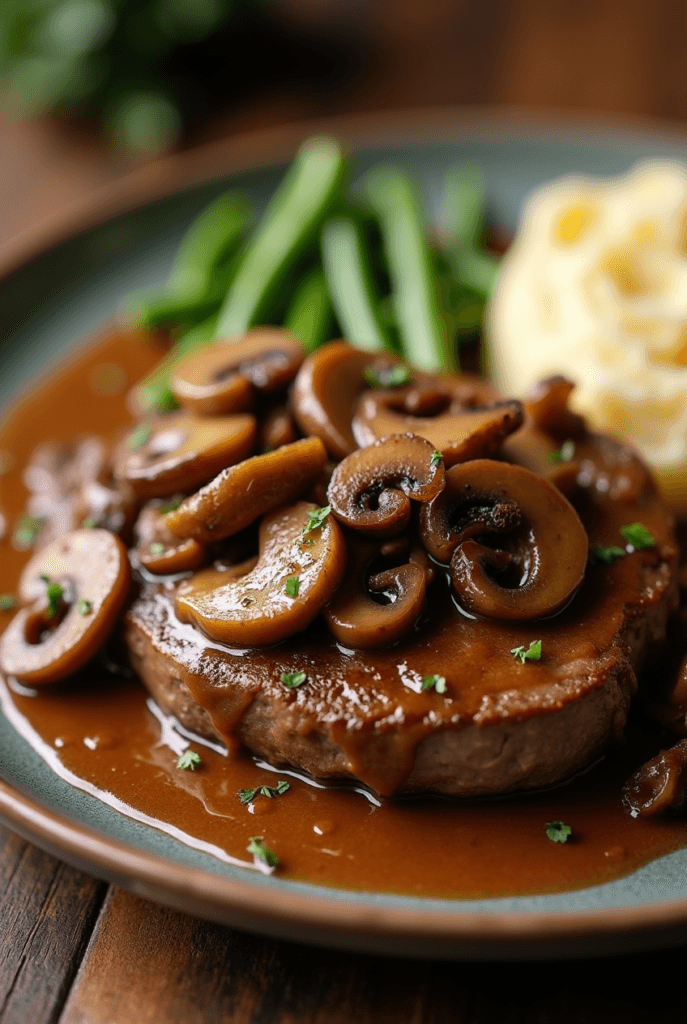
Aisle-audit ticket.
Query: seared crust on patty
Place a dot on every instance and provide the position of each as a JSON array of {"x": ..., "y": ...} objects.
[{"x": 364, "y": 716}]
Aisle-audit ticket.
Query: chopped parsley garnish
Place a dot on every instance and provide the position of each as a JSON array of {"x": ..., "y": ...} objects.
[
  {"x": 316, "y": 517},
  {"x": 391, "y": 377},
  {"x": 89, "y": 524},
  {"x": 55, "y": 594},
  {"x": 293, "y": 679},
  {"x": 248, "y": 795},
  {"x": 565, "y": 453},
  {"x": 27, "y": 531},
  {"x": 434, "y": 682},
  {"x": 165, "y": 401},
  {"x": 557, "y": 831},
  {"x": 637, "y": 535},
  {"x": 8, "y": 602},
  {"x": 83, "y": 606},
  {"x": 138, "y": 437},
  {"x": 156, "y": 548},
  {"x": 531, "y": 653},
  {"x": 436, "y": 459},
  {"x": 608, "y": 555},
  {"x": 173, "y": 504},
  {"x": 257, "y": 847},
  {"x": 189, "y": 759},
  {"x": 293, "y": 585}
]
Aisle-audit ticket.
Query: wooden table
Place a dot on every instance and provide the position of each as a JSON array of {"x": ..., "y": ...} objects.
[{"x": 78, "y": 951}]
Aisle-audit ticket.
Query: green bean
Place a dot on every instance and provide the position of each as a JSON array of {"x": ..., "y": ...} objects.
[
  {"x": 464, "y": 220},
  {"x": 203, "y": 267},
  {"x": 153, "y": 392},
  {"x": 352, "y": 290},
  {"x": 294, "y": 216},
  {"x": 424, "y": 341},
  {"x": 310, "y": 315},
  {"x": 212, "y": 237}
]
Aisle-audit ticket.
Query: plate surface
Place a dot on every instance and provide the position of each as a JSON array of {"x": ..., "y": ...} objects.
[{"x": 64, "y": 293}]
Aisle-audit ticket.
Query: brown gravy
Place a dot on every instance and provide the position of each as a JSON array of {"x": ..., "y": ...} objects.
[{"x": 101, "y": 733}]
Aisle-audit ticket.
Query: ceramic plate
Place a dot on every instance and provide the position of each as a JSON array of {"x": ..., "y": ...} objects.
[{"x": 64, "y": 281}]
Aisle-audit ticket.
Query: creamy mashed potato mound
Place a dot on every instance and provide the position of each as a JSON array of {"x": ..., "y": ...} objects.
[{"x": 594, "y": 287}]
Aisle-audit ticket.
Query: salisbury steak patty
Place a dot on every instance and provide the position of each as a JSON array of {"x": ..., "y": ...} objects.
[{"x": 500, "y": 725}]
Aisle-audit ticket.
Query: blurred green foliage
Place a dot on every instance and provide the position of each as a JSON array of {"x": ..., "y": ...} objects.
[{"x": 112, "y": 58}]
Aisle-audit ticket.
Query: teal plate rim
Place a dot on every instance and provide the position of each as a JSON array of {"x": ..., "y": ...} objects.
[{"x": 647, "y": 909}]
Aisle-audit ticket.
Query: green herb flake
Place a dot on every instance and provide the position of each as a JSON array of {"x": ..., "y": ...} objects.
[
  {"x": 189, "y": 759},
  {"x": 6, "y": 462},
  {"x": 260, "y": 852},
  {"x": 391, "y": 377},
  {"x": 89, "y": 524},
  {"x": 27, "y": 531},
  {"x": 293, "y": 585},
  {"x": 637, "y": 536},
  {"x": 316, "y": 517},
  {"x": 532, "y": 653},
  {"x": 435, "y": 682},
  {"x": 55, "y": 594},
  {"x": 557, "y": 831},
  {"x": 246, "y": 796},
  {"x": 608, "y": 555},
  {"x": 436, "y": 459},
  {"x": 8, "y": 602},
  {"x": 156, "y": 548},
  {"x": 565, "y": 453},
  {"x": 138, "y": 437},
  {"x": 165, "y": 401},
  {"x": 172, "y": 505},
  {"x": 84, "y": 607},
  {"x": 292, "y": 680}
]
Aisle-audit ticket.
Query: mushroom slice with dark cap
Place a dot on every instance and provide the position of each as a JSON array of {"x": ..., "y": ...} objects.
[
  {"x": 458, "y": 432},
  {"x": 159, "y": 551},
  {"x": 242, "y": 493},
  {"x": 179, "y": 452},
  {"x": 224, "y": 378},
  {"x": 91, "y": 571},
  {"x": 261, "y": 607},
  {"x": 370, "y": 491},
  {"x": 375, "y": 610},
  {"x": 660, "y": 785},
  {"x": 326, "y": 389},
  {"x": 532, "y": 550}
]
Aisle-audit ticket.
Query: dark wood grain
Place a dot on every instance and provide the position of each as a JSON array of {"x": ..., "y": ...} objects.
[
  {"x": 155, "y": 966},
  {"x": 47, "y": 911}
]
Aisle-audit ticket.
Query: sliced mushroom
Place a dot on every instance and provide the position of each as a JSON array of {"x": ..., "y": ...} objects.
[
  {"x": 370, "y": 490},
  {"x": 547, "y": 406},
  {"x": 660, "y": 785},
  {"x": 459, "y": 432},
  {"x": 180, "y": 451},
  {"x": 375, "y": 610},
  {"x": 261, "y": 608},
  {"x": 534, "y": 551},
  {"x": 326, "y": 389},
  {"x": 159, "y": 551},
  {"x": 93, "y": 569},
  {"x": 223, "y": 378},
  {"x": 241, "y": 494},
  {"x": 276, "y": 429}
]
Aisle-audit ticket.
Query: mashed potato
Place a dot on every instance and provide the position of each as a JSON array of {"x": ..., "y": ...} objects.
[{"x": 595, "y": 287}]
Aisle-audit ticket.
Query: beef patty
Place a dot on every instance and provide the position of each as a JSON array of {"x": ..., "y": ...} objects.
[{"x": 500, "y": 725}]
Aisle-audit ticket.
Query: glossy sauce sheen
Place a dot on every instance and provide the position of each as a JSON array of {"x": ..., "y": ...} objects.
[{"x": 101, "y": 732}]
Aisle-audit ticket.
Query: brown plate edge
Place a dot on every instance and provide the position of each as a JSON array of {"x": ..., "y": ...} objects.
[
  {"x": 178, "y": 171},
  {"x": 336, "y": 922},
  {"x": 513, "y": 935}
]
